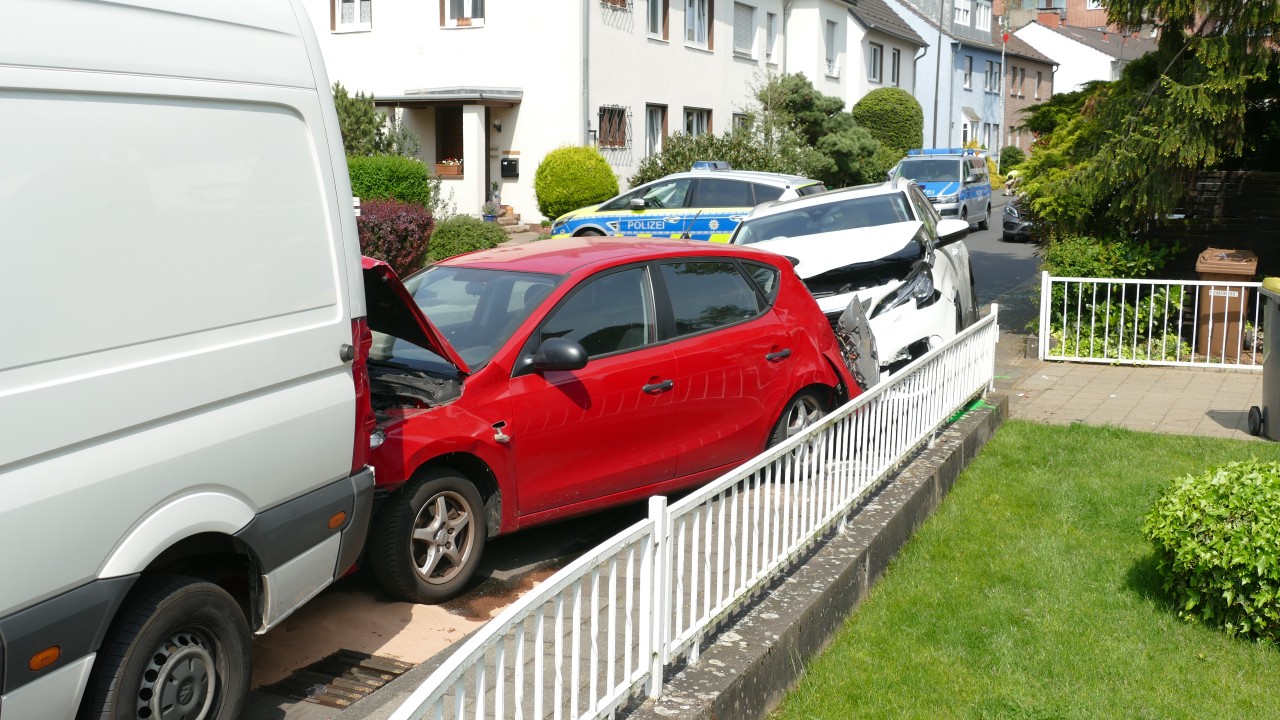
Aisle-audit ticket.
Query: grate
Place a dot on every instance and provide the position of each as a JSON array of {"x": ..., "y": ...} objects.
[{"x": 340, "y": 679}]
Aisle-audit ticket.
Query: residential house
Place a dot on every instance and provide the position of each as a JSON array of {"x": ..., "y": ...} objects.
[
  {"x": 1086, "y": 54},
  {"x": 497, "y": 85},
  {"x": 1075, "y": 13},
  {"x": 889, "y": 49},
  {"x": 959, "y": 87},
  {"x": 1029, "y": 79}
]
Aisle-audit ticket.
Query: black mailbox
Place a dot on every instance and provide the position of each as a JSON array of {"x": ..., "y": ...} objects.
[{"x": 510, "y": 167}]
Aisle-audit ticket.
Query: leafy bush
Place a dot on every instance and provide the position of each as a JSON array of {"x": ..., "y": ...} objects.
[
  {"x": 894, "y": 118},
  {"x": 570, "y": 177},
  {"x": 395, "y": 232},
  {"x": 740, "y": 147},
  {"x": 1216, "y": 539},
  {"x": 391, "y": 177},
  {"x": 1084, "y": 256},
  {"x": 1011, "y": 156},
  {"x": 462, "y": 234},
  {"x": 359, "y": 122}
]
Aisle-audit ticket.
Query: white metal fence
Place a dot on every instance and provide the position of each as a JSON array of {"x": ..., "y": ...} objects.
[
  {"x": 1204, "y": 323},
  {"x": 601, "y": 631}
]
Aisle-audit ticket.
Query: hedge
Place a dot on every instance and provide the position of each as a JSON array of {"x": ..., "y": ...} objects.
[
  {"x": 383, "y": 177},
  {"x": 395, "y": 232},
  {"x": 462, "y": 234},
  {"x": 893, "y": 117},
  {"x": 572, "y": 177}
]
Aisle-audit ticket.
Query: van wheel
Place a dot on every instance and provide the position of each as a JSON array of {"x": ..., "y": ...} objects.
[
  {"x": 427, "y": 541},
  {"x": 179, "y": 649},
  {"x": 964, "y": 215},
  {"x": 986, "y": 220}
]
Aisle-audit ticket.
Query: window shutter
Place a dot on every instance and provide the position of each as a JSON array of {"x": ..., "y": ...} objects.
[
  {"x": 831, "y": 45},
  {"x": 769, "y": 35},
  {"x": 744, "y": 21}
]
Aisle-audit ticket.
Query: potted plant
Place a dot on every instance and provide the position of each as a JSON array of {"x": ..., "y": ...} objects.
[
  {"x": 490, "y": 212},
  {"x": 449, "y": 166},
  {"x": 495, "y": 192}
]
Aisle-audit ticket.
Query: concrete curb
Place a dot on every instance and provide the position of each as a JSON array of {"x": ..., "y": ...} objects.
[{"x": 747, "y": 669}]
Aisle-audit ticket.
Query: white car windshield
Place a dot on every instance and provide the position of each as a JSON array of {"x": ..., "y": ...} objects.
[{"x": 830, "y": 216}]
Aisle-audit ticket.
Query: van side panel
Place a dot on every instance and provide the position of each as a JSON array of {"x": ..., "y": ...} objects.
[{"x": 173, "y": 283}]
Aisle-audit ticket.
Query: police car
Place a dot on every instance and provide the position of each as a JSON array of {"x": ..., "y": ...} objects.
[
  {"x": 954, "y": 179},
  {"x": 706, "y": 203}
]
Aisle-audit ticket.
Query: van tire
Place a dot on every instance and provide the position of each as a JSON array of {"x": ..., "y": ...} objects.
[
  {"x": 986, "y": 219},
  {"x": 395, "y": 554},
  {"x": 177, "y": 638}
]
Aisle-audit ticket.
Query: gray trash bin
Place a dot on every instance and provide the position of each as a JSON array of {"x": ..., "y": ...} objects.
[{"x": 1264, "y": 420}]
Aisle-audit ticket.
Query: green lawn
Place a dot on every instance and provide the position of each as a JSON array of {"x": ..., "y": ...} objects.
[{"x": 1031, "y": 593}]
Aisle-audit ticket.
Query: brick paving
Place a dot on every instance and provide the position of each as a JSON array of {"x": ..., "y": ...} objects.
[{"x": 1184, "y": 401}]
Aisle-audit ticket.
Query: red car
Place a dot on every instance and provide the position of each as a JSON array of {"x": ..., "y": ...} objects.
[{"x": 527, "y": 384}]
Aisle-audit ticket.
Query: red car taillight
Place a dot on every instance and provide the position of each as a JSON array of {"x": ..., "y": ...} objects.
[{"x": 361, "y": 340}]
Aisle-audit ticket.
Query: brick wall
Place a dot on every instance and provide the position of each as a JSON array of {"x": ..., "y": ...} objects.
[{"x": 1018, "y": 98}]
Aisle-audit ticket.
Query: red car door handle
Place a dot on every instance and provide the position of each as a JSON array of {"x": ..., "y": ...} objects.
[
  {"x": 658, "y": 387},
  {"x": 779, "y": 355}
]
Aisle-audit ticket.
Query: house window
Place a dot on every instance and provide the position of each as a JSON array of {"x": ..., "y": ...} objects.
[
  {"x": 995, "y": 136},
  {"x": 351, "y": 15},
  {"x": 617, "y": 4},
  {"x": 462, "y": 13},
  {"x": 895, "y": 66},
  {"x": 997, "y": 78},
  {"x": 968, "y": 72},
  {"x": 658, "y": 18},
  {"x": 655, "y": 128},
  {"x": 613, "y": 127},
  {"x": 744, "y": 30},
  {"x": 770, "y": 34},
  {"x": 697, "y": 22},
  {"x": 1093, "y": 5},
  {"x": 982, "y": 18},
  {"x": 1021, "y": 74},
  {"x": 875, "y": 62},
  {"x": 963, "y": 8},
  {"x": 986, "y": 134},
  {"x": 740, "y": 120},
  {"x": 449, "y": 133},
  {"x": 829, "y": 37},
  {"x": 1039, "y": 76},
  {"x": 697, "y": 121}
]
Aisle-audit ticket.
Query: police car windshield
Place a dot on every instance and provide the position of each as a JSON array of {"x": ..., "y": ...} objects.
[
  {"x": 855, "y": 212},
  {"x": 931, "y": 170}
]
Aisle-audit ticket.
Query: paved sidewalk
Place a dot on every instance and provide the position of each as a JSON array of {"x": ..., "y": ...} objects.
[{"x": 1185, "y": 401}]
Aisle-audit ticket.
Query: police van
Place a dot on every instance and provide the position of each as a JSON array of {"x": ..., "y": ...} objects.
[
  {"x": 954, "y": 179},
  {"x": 706, "y": 203}
]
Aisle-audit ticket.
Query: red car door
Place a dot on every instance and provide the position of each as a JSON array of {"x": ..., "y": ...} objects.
[
  {"x": 608, "y": 427},
  {"x": 733, "y": 360}
]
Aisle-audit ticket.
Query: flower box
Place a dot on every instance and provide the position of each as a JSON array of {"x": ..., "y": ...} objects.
[{"x": 448, "y": 169}]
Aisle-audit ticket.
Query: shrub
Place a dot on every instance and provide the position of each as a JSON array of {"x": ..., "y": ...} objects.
[
  {"x": 1084, "y": 256},
  {"x": 1216, "y": 538},
  {"x": 391, "y": 177},
  {"x": 893, "y": 117},
  {"x": 461, "y": 234},
  {"x": 1011, "y": 156},
  {"x": 395, "y": 232},
  {"x": 570, "y": 177},
  {"x": 359, "y": 122}
]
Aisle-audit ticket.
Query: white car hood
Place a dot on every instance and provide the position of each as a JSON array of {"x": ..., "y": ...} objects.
[{"x": 830, "y": 250}]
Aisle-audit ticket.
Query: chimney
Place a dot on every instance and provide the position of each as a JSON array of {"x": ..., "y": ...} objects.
[{"x": 1049, "y": 19}]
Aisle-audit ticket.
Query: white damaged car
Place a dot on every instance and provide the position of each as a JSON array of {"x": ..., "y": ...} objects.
[{"x": 885, "y": 245}]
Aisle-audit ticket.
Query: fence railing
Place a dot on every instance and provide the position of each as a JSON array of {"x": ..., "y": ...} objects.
[
  {"x": 601, "y": 631},
  {"x": 1205, "y": 323}
]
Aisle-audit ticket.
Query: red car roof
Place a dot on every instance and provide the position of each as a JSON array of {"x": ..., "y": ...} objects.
[{"x": 564, "y": 256}]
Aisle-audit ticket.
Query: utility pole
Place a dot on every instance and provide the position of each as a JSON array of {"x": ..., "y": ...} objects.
[
  {"x": 1004, "y": 40},
  {"x": 937, "y": 74}
]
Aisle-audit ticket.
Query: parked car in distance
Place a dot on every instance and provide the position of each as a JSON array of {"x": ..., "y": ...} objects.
[
  {"x": 182, "y": 381},
  {"x": 706, "y": 203},
  {"x": 526, "y": 384},
  {"x": 954, "y": 179},
  {"x": 1018, "y": 227},
  {"x": 884, "y": 244}
]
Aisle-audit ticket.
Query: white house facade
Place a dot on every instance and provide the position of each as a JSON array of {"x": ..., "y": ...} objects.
[
  {"x": 1086, "y": 54},
  {"x": 889, "y": 50},
  {"x": 493, "y": 86}
]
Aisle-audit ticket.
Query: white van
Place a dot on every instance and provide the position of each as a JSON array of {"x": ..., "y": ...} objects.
[{"x": 184, "y": 409}]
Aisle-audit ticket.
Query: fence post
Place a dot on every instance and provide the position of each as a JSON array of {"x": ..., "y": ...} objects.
[
  {"x": 1045, "y": 297},
  {"x": 659, "y": 603},
  {"x": 995, "y": 328}
]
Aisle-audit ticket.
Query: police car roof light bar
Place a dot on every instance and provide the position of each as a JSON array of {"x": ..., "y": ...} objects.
[
  {"x": 711, "y": 165},
  {"x": 941, "y": 151}
]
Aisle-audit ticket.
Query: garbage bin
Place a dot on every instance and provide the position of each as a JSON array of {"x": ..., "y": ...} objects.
[
  {"x": 1263, "y": 419},
  {"x": 1222, "y": 308}
]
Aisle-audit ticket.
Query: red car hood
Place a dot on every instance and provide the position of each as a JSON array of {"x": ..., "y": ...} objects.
[{"x": 392, "y": 311}]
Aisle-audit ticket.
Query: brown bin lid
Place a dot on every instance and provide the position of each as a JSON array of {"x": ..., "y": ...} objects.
[{"x": 1231, "y": 262}]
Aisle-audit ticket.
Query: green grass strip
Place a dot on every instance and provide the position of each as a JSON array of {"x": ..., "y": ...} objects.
[{"x": 1031, "y": 594}]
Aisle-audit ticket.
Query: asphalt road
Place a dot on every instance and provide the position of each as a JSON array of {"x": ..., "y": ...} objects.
[{"x": 1004, "y": 272}]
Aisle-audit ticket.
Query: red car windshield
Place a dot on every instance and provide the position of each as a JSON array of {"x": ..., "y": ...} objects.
[{"x": 476, "y": 310}]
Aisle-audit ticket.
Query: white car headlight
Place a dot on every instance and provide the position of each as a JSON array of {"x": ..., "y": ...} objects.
[{"x": 917, "y": 286}]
